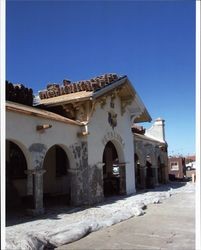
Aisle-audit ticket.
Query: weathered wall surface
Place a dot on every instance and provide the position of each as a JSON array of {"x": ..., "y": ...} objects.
[
  {"x": 86, "y": 180},
  {"x": 157, "y": 131},
  {"x": 146, "y": 147},
  {"x": 80, "y": 173},
  {"x": 85, "y": 153},
  {"x": 101, "y": 132},
  {"x": 21, "y": 129}
]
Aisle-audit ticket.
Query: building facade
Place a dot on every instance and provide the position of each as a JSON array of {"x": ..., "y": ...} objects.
[
  {"x": 76, "y": 143},
  {"x": 177, "y": 167}
]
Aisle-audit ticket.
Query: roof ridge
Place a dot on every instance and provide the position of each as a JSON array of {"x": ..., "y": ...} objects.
[{"x": 68, "y": 87}]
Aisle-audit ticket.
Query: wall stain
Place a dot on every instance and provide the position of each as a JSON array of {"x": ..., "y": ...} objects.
[
  {"x": 38, "y": 151},
  {"x": 87, "y": 183}
]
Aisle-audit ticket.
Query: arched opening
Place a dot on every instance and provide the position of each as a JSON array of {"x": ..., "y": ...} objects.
[
  {"x": 16, "y": 179},
  {"x": 149, "y": 178},
  {"x": 113, "y": 172},
  {"x": 137, "y": 172},
  {"x": 56, "y": 179}
]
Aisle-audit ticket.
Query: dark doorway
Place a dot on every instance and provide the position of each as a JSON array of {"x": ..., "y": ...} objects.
[
  {"x": 137, "y": 172},
  {"x": 16, "y": 179},
  {"x": 56, "y": 179},
  {"x": 160, "y": 171},
  {"x": 113, "y": 172},
  {"x": 149, "y": 179}
]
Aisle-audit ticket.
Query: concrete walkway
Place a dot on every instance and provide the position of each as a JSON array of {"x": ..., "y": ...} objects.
[
  {"x": 61, "y": 226},
  {"x": 169, "y": 225}
]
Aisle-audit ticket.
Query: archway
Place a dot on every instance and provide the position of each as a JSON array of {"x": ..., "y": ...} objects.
[
  {"x": 56, "y": 179},
  {"x": 113, "y": 172},
  {"x": 137, "y": 172},
  {"x": 16, "y": 179}
]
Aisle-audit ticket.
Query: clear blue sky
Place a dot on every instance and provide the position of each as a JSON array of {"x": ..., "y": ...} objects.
[{"x": 152, "y": 42}]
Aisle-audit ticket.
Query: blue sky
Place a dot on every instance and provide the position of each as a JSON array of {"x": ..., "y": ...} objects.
[{"x": 152, "y": 42}]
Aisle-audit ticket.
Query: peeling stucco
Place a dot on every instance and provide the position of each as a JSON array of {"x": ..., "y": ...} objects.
[
  {"x": 80, "y": 176},
  {"x": 86, "y": 180},
  {"x": 96, "y": 184},
  {"x": 38, "y": 152}
]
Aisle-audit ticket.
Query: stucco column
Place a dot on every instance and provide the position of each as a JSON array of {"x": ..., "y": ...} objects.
[
  {"x": 36, "y": 177},
  {"x": 38, "y": 190},
  {"x": 75, "y": 187},
  {"x": 122, "y": 173},
  {"x": 29, "y": 193},
  {"x": 38, "y": 152},
  {"x": 100, "y": 167},
  {"x": 29, "y": 182},
  {"x": 143, "y": 176},
  {"x": 165, "y": 174},
  {"x": 155, "y": 175},
  {"x": 95, "y": 183}
]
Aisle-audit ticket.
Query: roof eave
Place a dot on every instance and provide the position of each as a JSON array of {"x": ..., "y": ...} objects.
[
  {"x": 109, "y": 87},
  {"x": 56, "y": 103},
  {"x": 23, "y": 109},
  {"x": 144, "y": 137},
  {"x": 145, "y": 116}
]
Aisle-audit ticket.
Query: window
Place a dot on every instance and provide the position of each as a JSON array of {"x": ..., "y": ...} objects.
[{"x": 174, "y": 166}]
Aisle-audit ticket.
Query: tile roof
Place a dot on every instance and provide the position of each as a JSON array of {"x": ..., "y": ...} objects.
[
  {"x": 19, "y": 93},
  {"x": 138, "y": 129},
  {"x": 69, "y": 88}
]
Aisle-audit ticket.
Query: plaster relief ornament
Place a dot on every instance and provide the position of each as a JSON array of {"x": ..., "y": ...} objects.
[{"x": 112, "y": 119}]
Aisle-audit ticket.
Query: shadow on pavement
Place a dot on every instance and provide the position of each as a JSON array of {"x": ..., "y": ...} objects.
[{"x": 20, "y": 216}]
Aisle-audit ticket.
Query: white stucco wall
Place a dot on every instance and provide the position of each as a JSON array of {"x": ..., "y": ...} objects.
[
  {"x": 101, "y": 132},
  {"x": 157, "y": 130},
  {"x": 21, "y": 129}
]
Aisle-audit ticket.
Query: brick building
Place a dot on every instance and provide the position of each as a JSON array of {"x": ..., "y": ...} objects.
[{"x": 177, "y": 167}]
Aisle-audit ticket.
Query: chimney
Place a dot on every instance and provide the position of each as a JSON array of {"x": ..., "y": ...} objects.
[{"x": 157, "y": 131}]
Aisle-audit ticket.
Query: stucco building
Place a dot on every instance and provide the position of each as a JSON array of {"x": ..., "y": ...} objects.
[{"x": 80, "y": 143}]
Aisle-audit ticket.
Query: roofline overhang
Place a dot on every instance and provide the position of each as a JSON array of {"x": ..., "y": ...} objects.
[
  {"x": 118, "y": 83},
  {"x": 140, "y": 104},
  {"x": 143, "y": 117},
  {"x": 145, "y": 137},
  {"x": 23, "y": 109},
  {"x": 81, "y": 99},
  {"x": 109, "y": 87}
]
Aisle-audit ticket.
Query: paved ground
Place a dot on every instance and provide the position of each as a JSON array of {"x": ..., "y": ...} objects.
[
  {"x": 160, "y": 225},
  {"x": 169, "y": 225}
]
